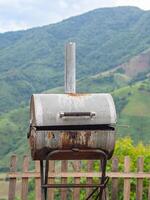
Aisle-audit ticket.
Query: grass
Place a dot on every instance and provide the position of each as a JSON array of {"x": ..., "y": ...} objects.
[
  {"x": 136, "y": 112},
  {"x": 138, "y": 105},
  {"x": 136, "y": 127}
]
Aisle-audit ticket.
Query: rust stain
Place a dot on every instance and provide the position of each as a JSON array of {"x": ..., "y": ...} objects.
[
  {"x": 65, "y": 139},
  {"x": 49, "y": 135},
  {"x": 75, "y": 139},
  {"x": 32, "y": 141},
  {"x": 77, "y": 94},
  {"x": 87, "y": 136}
]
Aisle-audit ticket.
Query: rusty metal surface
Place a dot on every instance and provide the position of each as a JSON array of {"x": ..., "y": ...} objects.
[
  {"x": 72, "y": 185},
  {"x": 78, "y": 94},
  {"x": 46, "y": 109},
  {"x": 71, "y": 122},
  {"x": 43, "y": 142}
]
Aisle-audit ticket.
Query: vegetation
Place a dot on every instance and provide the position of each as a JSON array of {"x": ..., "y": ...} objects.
[
  {"x": 13, "y": 134},
  {"x": 132, "y": 104},
  {"x": 110, "y": 41},
  {"x": 133, "y": 108},
  {"x": 32, "y": 61},
  {"x": 124, "y": 147}
]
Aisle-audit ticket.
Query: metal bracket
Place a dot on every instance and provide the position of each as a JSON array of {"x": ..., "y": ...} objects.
[{"x": 100, "y": 187}]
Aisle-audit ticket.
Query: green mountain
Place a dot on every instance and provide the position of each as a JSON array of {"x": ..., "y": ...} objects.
[
  {"x": 113, "y": 55},
  {"x": 133, "y": 109},
  {"x": 32, "y": 61}
]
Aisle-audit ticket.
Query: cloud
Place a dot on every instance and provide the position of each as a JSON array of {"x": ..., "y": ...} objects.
[
  {"x": 143, "y": 4},
  {"x": 12, "y": 26},
  {"x": 23, "y": 14},
  {"x": 18, "y": 14}
]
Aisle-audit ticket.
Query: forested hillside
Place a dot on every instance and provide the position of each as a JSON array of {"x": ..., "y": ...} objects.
[
  {"x": 113, "y": 55},
  {"x": 32, "y": 60}
]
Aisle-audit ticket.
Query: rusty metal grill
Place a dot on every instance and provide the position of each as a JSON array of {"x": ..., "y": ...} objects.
[{"x": 72, "y": 126}]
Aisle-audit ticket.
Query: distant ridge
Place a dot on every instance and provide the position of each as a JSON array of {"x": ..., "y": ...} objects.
[{"x": 113, "y": 55}]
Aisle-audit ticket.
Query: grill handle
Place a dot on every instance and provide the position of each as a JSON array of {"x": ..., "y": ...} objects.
[{"x": 77, "y": 114}]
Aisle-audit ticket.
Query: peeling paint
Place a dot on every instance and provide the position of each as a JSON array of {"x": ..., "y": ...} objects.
[
  {"x": 78, "y": 94},
  {"x": 71, "y": 139}
]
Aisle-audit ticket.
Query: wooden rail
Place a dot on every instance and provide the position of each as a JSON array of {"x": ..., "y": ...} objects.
[{"x": 60, "y": 172}]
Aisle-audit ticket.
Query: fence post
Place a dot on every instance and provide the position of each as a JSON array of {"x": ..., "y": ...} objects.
[
  {"x": 89, "y": 180},
  {"x": 24, "y": 187},
  {"x": 139, "y": 187},
  {"x": 51, "y": 191},
  {"x": 64, "y": 167},
  {"x": 149, "y": 191},
  {"x": 76, "y": 191},
  {"x": 76, "y": 168},
  {"x": 12, "y": 181},
  {"x": 127, "y": 180},
  {"x": 37, "y": 182},
  {"x": 114, "y": 194}
]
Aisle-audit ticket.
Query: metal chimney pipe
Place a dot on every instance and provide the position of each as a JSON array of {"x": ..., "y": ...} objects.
[{"x": 70, "y": 71}]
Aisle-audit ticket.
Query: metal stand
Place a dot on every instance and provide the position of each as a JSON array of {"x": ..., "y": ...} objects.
[{"x": 100, "y": 187}]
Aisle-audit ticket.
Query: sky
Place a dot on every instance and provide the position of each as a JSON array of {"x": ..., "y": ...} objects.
[{"x": 24, "y": 14}]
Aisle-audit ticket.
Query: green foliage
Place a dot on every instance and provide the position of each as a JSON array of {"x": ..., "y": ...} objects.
[
  {"x": 120, "y": 102},
  {"x": 130, "y": 103},
  {"x": 139, "y": 77},
  {"x": 120, "y": 70},
  {"x": 32, "y": 61},
  {"x": 103, "y": 82},
  {"x": 125, "y": 147},
  {"x": 31, "y": 194},
  {"x": 13, "y": 134},
  {"x": 133, "y": 108}
]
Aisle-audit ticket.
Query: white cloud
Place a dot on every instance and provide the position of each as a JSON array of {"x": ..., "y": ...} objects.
[
  {"x": 13, "y": 25},
  {"x": 63, "y": 4},
  {"x": 143, "y": 4},
  {"x": 22, "y": 14}
]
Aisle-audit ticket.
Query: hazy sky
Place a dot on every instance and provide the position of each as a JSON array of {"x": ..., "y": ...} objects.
[{"x": 23, "y": 14}]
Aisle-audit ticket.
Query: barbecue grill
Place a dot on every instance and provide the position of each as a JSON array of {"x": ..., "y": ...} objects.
[{"x": 72, "y": 126}]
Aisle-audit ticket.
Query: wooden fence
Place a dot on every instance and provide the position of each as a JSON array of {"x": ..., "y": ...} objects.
[{"x": 59, "y": 171}]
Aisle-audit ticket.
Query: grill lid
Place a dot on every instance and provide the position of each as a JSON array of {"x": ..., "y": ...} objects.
[{"x": 72, "y": 109}]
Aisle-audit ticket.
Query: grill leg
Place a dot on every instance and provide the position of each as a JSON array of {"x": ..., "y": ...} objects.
[
  {"x": 103, "y": 182},
  {"x": 46, "y": 177},
  {"x": 42, "y": 178},
  {"x": 92, "y": 193},
  {"x": 103, "y": 168}
]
